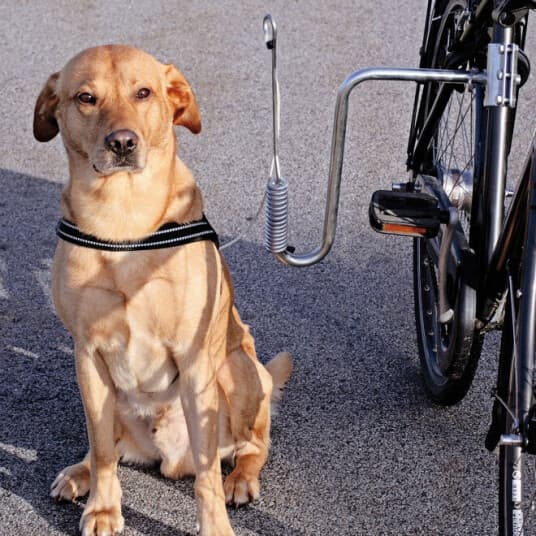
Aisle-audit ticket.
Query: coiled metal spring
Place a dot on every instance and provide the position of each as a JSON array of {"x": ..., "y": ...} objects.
[{"x": 276, "y": 226}]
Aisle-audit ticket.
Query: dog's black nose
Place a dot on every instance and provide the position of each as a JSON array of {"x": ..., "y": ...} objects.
[{"x": 121, "y": 142}]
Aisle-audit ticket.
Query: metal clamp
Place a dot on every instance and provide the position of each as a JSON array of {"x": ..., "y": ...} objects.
[{"x": 503, "y": 78}]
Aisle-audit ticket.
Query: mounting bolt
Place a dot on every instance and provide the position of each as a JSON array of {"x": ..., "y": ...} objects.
[
  {"x": 499, "y": 99},
  {"x": 519, "y": 293},
  {"x": 500, "y": 75}
]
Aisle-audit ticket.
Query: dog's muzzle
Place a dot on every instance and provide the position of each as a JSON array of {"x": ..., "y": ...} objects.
[{"x": 121, "y": 153}]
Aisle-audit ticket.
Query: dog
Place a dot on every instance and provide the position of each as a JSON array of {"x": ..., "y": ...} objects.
[{"x": 166, "y": 368}]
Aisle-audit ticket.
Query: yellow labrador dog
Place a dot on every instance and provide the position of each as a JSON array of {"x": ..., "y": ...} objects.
[{"x": 167, "y": 370}]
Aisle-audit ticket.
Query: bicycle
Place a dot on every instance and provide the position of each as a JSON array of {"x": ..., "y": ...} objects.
[{"x": 474, "y": 262}]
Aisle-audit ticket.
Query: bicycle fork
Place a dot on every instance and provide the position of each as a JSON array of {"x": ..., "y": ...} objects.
[
  {"x": 503, "y": 273},
  {"x": 521, "y": 437},
  {"x": 525, "y": 334}
]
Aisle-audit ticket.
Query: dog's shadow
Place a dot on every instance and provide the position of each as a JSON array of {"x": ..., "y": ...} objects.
[{"x": 42, "y": 429}]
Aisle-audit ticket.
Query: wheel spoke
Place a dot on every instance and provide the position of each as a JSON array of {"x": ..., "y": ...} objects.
[{"x": 452, "y": 137}]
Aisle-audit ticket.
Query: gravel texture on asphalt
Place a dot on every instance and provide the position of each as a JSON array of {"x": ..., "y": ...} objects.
[{"x": 357, "y": 448}]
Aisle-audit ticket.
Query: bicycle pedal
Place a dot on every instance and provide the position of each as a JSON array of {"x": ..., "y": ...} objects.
[{"x": 406, "y": 213}]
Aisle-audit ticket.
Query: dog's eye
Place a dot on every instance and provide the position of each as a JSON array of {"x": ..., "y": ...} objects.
[
  {"x": 86, "y": 98},
  {"x": 143, "y": 93}
]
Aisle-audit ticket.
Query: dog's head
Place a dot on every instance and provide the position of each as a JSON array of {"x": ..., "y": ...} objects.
[{"x": 115, "y": 106}]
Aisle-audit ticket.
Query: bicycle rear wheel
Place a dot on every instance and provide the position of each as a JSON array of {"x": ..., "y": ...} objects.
[{"x": 449, "y": 351}]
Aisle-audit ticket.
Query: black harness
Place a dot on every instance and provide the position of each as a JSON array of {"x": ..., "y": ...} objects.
[{"x": 168, "y": 236}]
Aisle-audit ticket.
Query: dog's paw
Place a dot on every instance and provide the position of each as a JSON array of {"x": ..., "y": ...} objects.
[
  {"x": 215, "y": 530},
  {"x": 71, "y": 483},
  {"x": 239, "y": 489},
  {"x": 102, "y": 522}
]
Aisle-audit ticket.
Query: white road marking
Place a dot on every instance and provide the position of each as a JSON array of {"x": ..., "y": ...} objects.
[
  {"x": 28, "y": 455},
  {"x": 3, "y": 275}
]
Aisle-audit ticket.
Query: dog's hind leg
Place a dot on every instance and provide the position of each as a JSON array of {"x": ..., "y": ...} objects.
[{"x": 247, "y": 386}]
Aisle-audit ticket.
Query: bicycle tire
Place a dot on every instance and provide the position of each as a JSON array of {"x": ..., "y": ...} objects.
[{"x": 448, "y": 353}]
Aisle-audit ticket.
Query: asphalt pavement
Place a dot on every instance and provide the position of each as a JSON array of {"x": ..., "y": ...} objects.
[{"x": 357, "y": 448}]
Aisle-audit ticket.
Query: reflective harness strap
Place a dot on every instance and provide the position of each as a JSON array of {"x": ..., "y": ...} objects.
[{"x": 168, "y": 236}]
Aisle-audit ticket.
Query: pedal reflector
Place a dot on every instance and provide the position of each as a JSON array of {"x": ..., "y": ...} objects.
[
  {"x": 392, "y": 228},
  {"x": 405, "y": 213}
]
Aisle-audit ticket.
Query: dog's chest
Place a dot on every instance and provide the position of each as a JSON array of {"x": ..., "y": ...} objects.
[
  {"x": 145, "y": 360},
  {"x": 143, "y": 313},
  {"x": 144, "y": 365}
]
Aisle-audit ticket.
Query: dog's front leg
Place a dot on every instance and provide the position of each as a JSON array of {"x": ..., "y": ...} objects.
[
  {"x": 102, "y": 514},
  {"x": 199, "y": 395}
]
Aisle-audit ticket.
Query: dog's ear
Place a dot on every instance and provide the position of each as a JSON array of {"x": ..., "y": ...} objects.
[
  {"x": 182, "y": 99},
  {"x": 45, "y": 126}
]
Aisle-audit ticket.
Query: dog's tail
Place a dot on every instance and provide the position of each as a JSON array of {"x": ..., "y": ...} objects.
[{"x": 280, "y": 368}]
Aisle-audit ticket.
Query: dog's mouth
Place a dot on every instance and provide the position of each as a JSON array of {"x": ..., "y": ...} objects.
[{"x": 119, "y": 165}]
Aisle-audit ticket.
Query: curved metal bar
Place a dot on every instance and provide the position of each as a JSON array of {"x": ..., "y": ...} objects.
[{"x": 339, "y": 136}]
